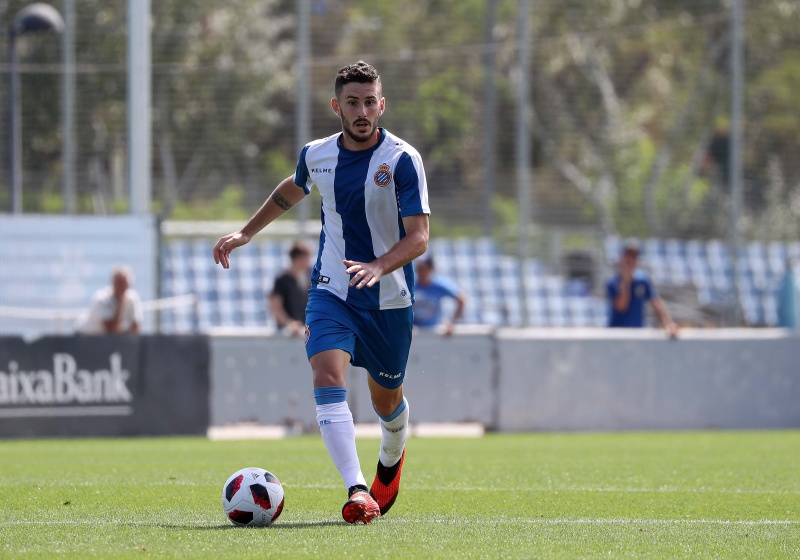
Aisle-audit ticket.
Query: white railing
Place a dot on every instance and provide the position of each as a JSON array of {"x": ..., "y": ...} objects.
[{"x": 36, "y": 321}]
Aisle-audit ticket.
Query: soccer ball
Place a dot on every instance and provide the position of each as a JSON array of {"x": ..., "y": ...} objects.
[{"x": 252, "y": 497}]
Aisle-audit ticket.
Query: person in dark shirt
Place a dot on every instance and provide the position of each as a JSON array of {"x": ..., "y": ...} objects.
[
  {"x": 289, "y": 295},
  {"x": 629, "y": 290}
]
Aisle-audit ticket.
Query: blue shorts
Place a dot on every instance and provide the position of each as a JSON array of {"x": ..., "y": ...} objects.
[{"x": 377, "y": 340}]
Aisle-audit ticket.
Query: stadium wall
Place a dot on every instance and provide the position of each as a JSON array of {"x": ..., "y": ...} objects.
[
  {"x": 538, "y": 379},
  {"x": 267, "y": 380},
  {"x": 104, "y": 386},
  {"x": 638, "y": 380}
]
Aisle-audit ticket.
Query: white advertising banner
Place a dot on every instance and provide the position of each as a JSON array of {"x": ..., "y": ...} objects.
[{"x": 54, "y": 265}]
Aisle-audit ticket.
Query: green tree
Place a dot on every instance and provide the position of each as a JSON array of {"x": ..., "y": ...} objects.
[{"x": 630, "y": 98}]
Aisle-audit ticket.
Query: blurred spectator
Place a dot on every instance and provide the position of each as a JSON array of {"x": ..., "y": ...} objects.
[
  {"x": 429, "y": 291},
  {"x": 629, "y": 289},
  {"x": 115, "y": 308},
  {"x": 289, "y": 295}
]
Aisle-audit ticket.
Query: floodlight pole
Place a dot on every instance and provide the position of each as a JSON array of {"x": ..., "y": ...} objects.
[
  {"x": 735, "y": 159},
  {"x": 139, "y": 111},
  {"x": 14, "y": 125},
  {"x": 3, "y": 116},
  {"x": 33, "y": 18},
  {"x": 489, "y": 120},
  {"x": 303, "y": 107},
  {"x": 68, "y": 107},
  {"x": 524, "y": 175}
]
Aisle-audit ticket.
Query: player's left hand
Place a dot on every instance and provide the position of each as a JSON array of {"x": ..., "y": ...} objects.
[{"x": 363, "y": 274}]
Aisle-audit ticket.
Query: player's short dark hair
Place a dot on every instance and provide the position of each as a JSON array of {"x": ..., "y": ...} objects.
[{"x": 359, "y": 72}]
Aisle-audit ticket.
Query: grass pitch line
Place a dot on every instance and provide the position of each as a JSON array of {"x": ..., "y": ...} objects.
[
  {"x": 418, "y": 488},
  {"x": 586, "y": 521},
  {"x": 578, "y": 489},
  {"x": 551, "y": 490}
]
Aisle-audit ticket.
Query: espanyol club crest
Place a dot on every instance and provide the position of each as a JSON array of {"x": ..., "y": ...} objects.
[{"x": 383, "y": 177}]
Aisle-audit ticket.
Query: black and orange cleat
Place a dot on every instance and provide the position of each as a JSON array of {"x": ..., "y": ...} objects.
[
  {"x": 360, "y": 507},
  {"x": 386, "y": 485}
]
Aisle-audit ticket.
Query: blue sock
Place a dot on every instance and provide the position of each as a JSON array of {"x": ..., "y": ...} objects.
[{"x": 330, "y": 395}]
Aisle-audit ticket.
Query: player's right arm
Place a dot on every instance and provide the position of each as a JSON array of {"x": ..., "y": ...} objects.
[{"x": 285, "y": 195}]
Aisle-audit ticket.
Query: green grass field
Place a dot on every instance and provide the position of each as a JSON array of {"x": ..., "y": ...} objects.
[{"x": 654, "y": 495}]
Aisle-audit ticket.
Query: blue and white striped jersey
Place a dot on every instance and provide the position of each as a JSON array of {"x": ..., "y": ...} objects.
[{"x": 365, "y": 195}]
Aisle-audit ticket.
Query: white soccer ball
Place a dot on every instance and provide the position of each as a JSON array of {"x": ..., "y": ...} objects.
[{"x": 252, "y": 497}]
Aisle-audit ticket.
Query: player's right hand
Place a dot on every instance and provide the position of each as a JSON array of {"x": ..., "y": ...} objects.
[{"x": 226, "y": 244}]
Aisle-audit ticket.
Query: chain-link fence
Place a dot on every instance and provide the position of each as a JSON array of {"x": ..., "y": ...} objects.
[
  {"x": 630, "y": 107},
  {"x": 629, "y": 112}
]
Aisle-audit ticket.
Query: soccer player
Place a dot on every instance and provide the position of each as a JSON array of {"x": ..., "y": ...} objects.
[
  {"x": 629, "y": 289},
  {"x": 374, "y": 223}
]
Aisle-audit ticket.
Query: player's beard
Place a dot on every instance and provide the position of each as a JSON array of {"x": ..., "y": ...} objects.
[{"x": 356, "y": 136}]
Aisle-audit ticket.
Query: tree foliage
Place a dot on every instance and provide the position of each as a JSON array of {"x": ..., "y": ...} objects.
[{"x": 630, "y": 104}]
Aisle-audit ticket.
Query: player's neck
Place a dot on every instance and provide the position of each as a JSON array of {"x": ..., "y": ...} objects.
[{"x": 349, "y": 144}]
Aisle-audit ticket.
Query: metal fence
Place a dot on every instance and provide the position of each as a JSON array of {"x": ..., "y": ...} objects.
[
  {"x": 629, "y": 107},
  {"x": 626, "y": 124}
]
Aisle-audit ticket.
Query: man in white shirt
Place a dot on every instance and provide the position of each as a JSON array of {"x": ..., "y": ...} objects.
[{"x": 115, "y": 308}]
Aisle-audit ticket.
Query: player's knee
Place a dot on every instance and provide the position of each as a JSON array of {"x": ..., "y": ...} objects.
[
  {"x": 386, "y": 402},
  {"x": 329, "y": 378},
  {"x": 330, "y": 368}
]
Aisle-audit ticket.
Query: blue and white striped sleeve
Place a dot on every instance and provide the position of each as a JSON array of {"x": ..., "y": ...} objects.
[
  {"x": 301, "y": 174},
  {"x": 411, "y": 185}
]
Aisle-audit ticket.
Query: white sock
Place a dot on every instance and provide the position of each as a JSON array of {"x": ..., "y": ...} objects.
[
  {"x": 394, "y": 432},
  {"x": 335, "y": 422}
]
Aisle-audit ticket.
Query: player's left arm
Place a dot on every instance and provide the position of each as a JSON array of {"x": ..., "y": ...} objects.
[{"x": 404, "y": 251}]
